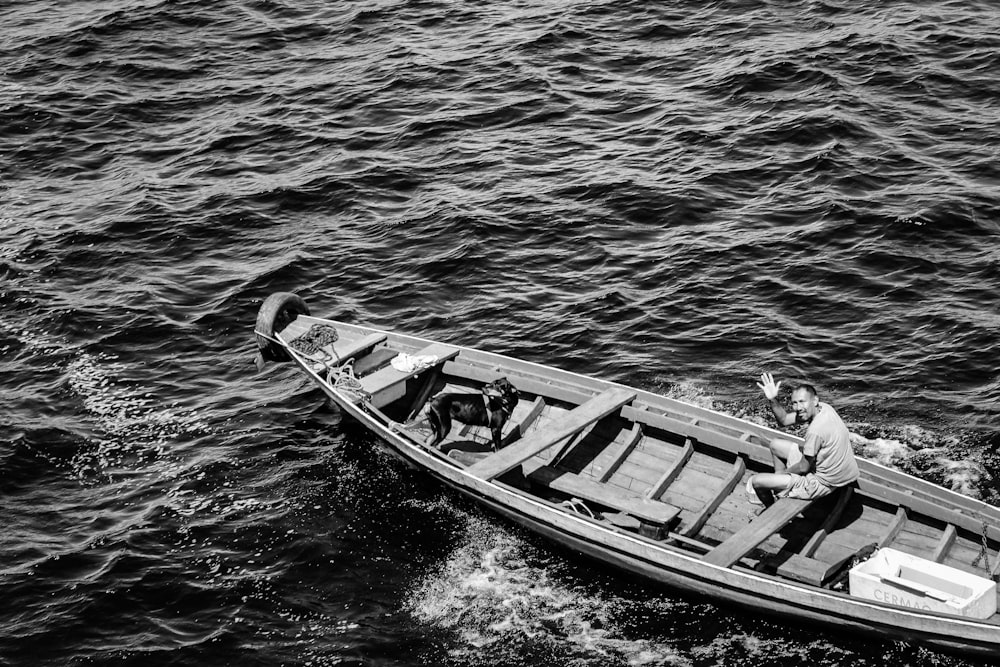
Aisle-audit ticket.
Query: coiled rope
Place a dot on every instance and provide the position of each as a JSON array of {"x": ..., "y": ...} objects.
[
  {"x": 314, "y": 340},
  {"x": 342, "y": 378}
]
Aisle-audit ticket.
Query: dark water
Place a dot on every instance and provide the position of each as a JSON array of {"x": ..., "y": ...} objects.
[{"x": 676, "y": 195}]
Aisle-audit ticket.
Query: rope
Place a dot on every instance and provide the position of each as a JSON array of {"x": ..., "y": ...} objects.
[
  {"x": 314, "y": 340},
  {"x": 984, "y": 554},
  {"x": 578, "y": 506},
  {"x": 342, "y": 378}
]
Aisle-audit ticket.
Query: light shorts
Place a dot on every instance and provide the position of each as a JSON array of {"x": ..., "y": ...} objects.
[{"x": 806, "y": 487}]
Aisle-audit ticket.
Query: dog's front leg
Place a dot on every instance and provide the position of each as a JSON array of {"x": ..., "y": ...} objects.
[{"x": 497, "y": 438}]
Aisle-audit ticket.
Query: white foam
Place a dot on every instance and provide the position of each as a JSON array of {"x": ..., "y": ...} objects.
[
  {"x": 961, "y": 476},
  {"x": 491, "y": 593},
  {"x": 886, "y": 451}
]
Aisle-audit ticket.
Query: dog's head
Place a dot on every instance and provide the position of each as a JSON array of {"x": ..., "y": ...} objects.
[{"x": 504, "y": 390}]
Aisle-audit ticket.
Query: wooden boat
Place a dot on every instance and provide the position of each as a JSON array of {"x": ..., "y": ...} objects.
[{"x": 654, "y": 486}]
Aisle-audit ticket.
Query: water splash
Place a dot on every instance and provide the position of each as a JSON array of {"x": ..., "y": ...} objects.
[
  {"x": 689, "y": 392},
  {"x": 957, "y": 461},
  {"x": 493, "y": 597}
]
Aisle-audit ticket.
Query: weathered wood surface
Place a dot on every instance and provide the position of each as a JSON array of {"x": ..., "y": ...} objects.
[
  {"x": 389, "y": 376},
  {"x": 573, "y": 422},
  {"x": 701, "y": 518},
  {"x": 669, "y": 476},
  {"x": 743, "y": 541},
  {"x": 651, "y": 511}
]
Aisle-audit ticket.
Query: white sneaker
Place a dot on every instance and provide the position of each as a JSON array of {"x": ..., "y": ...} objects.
[{"x": 751, "y": 494}]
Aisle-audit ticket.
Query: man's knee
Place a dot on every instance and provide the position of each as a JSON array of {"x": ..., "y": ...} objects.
[
  {"x": 770, "y": 481},
  {"x": 784, "y": 448}
]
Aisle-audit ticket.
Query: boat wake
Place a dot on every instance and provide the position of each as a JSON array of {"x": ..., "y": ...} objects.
[
  {"x": 961, "y": 461},
  {"x": 495, "y": 597}
]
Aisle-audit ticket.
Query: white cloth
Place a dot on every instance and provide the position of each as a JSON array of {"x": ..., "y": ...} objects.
[{"x": 409, "y": 363}]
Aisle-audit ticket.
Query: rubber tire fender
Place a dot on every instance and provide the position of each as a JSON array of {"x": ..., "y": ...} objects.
[{"x": 277, "y": 312}]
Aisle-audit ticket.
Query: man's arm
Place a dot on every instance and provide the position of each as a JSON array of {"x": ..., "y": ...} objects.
[
  {"x": 810, "y": 448},
  {"x": 770, "y": 389}
]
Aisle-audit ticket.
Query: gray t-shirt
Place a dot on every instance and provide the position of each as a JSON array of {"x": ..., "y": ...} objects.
[{"x": 828, "y": 440}]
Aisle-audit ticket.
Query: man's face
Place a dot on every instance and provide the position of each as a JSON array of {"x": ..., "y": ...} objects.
[{"x": 804, "y": 404}]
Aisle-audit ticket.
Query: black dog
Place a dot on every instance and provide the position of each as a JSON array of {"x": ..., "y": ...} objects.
[{"x": 491, "y": 408}]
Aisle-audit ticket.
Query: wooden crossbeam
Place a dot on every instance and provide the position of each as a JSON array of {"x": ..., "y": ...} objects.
[
  {"x": 573, "y": 422},
  {"x": 944, "y": 545},
  {"x": 735, "y": 474},
  {"x": 522, "y": 427},
  {"x": 623, "y": 450},
  {"x": 895, "y": 528},
  {"x": 747, "y": 538},
  {"x": 669, "y": 475}
]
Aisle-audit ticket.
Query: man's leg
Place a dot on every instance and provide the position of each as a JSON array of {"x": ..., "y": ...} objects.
[
  {"x": 784, "y": 453},
  {"x": 765, "y": 484}
]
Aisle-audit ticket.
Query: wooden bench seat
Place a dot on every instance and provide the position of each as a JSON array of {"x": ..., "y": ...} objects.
[
  {"x": 339, "y": 352},
  {"x": 379, "y": 383},
  {"x": 570, "y": 424},
  {"x": 809, "y": 570},
  {"x": 770, "y": 521},
  {"x": 654, "y": 516}
]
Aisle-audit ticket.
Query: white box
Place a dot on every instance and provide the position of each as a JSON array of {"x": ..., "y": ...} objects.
[{"x": 901, "y": 579}]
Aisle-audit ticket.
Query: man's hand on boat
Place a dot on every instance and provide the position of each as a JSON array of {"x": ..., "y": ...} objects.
[{"x": 768, "y": 386}]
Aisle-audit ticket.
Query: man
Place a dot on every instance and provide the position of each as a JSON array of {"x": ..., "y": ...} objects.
[{"x": 826, "y": 460}]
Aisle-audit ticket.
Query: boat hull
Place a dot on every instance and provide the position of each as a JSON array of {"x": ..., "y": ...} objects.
[{"x": 664, "y": 562}]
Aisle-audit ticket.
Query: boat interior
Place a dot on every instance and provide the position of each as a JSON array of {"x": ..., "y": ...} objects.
[{"x": 660, "y": 469}]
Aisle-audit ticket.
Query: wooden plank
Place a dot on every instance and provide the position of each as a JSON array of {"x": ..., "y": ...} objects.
[
  {"x": 524, "y": 384},
  {"x": 650, "y": 511},
  {"x": 387, "y": 377},
  {"x": 807, "y": 570},
  {"x": 623, "y": 449},
  {"x": 295, "y": 328},
  {"x": 671, "y": 473},
  {"x": 947, "y": 539},
  {"x": 844, "y": 495},
  {"x": 567, "y": 445},
  {"x": 572, "y": 422},
  {"x": 699, "y": 432},
  {"x": 735, "y": 475},
  {"x": 894, "y": 528},
  {"x": 744, "y": 540},
  {"x": 522, "y": 427}
]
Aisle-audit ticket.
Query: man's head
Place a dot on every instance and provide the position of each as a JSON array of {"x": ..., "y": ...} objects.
[{"x": 805, "y": 402}]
